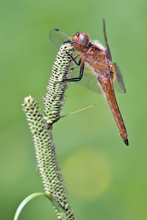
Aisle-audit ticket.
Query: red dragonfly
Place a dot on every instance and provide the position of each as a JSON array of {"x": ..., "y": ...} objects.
[{"x": 100, "y": 70}]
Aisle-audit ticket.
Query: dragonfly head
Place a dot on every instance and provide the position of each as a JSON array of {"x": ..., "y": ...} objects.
[{"x": 81, "y": 39}]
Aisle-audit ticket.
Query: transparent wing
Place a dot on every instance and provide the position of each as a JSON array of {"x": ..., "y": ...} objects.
[
  {"x": 88, "y": 80},
  {"x": 118, "y": 82},
  {"x": 58, "y": 37},
  {"x": 106, "y": 41},
  {"x": 117, "y": 76}
]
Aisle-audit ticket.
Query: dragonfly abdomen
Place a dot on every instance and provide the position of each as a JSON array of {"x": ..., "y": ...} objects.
[{"x": 107, "y": 88}]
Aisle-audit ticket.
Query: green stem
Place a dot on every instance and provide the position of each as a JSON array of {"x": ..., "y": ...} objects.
[{"x": 46, "y": 157}]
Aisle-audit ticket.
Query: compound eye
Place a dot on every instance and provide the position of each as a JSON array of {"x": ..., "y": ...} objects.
[{"x": 84, "y": 39}]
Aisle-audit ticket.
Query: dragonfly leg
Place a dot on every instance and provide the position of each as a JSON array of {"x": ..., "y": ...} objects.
[
  {"x": 76, "y": 79},
  {"x": 74, "y": 59}
]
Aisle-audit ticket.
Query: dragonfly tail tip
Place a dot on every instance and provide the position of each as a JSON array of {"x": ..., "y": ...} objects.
[
  {"x": 56, "y": 29},
  {"x": 126, "y": 142}
]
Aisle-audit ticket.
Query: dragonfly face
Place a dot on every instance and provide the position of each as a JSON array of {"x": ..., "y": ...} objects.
[
  {"x": 95, "y": 62},
  {"x": 82, "y": 39}
]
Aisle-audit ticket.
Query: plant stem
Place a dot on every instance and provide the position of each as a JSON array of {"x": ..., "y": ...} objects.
[{"x": 46, "y": 157}]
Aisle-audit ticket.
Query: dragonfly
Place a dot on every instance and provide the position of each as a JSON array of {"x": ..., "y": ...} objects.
[{"x": 96, "y": 70}]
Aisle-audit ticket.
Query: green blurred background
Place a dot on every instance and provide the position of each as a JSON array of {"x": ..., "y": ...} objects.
[{"x": 104, "y": 178}]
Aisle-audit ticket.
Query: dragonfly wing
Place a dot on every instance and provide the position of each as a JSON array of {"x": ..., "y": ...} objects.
[
  {"x": 58, "y": 37},
  {"x": 106, "y": 41},
  {"x": 118, "y": 82},
  {"x": 89, "y": 80},
  {"x": 117, "y": 76}
]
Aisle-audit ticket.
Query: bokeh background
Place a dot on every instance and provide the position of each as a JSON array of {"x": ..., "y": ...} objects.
[{"x": 104, "y": 178}]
